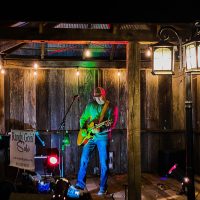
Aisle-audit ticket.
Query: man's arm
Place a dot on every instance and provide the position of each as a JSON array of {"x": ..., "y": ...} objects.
[{"x": 112, "y": 115}]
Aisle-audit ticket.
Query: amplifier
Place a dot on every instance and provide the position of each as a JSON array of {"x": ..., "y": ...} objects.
[{"x": 40, "y": 168}]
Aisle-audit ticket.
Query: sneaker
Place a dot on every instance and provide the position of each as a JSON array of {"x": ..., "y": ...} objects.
[
  {"x": 100, "y": 192},
  {"x": 78, "y": 187}
]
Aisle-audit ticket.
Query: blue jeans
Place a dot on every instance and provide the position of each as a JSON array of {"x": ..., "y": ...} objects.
[{"x": 102, "y": 146}]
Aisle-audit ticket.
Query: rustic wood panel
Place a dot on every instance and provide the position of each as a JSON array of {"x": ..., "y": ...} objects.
[
  {"x": 123, "y": 151},
  {"x": 115, "y": 147},
  {"x": 2, "y": 105},
  {"x": 72, "y": 160},
  {"x": 122, "y": 121},
  {"x": 143, "y": 98},
  {"x": 71, "y": 89},
  {"x": 111, "y": 83},
  {"x": 172, "y": 140},
  {"x": 29, "y": 100},
  {"x": 198, "y": 107},
  {"x": 42, "y": 101},
  {"x": 178, "y": 97},
  {"x": 194, "y": 101},
  {"x": 151, "y": 101},
  {"x": 7, "y": 99},
  {"x": 86, "y": 86},
  {"x": 16, "y": 99},
  {"x": 144, "y": 152},
  {"x": 56, "y": 97},
  {"x": 165, "y": 101},
  {"x": 197, "y": 153},
  {"x": 152, "y": 151}
]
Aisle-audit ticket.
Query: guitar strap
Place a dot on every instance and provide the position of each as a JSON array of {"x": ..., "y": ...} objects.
[{"x": 103, "y": 111}]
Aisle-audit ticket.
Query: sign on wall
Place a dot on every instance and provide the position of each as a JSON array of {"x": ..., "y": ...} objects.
[{"x": 22, "y": 149}]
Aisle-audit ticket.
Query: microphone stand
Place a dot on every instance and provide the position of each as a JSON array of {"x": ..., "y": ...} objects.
[{"x": 61, "y": 127}]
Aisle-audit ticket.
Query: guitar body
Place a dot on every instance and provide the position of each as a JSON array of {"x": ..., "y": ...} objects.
[{"x": 82, "y": 140}]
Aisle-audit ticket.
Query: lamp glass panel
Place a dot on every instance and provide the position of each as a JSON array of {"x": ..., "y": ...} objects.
[
  {"x": 191, "y": 56},
  {"x": 163, "y": 59}
]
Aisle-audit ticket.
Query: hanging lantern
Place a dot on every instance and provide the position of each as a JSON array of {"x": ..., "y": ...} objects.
[
  {"x": 163, "y": 58},
  {"x": 192, "y": 56}
]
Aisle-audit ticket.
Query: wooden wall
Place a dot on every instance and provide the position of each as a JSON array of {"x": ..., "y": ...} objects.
[{"x": 40, "y": 103}]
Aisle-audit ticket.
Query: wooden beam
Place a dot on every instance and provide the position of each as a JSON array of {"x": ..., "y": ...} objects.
[
  {"x": 112, "y": 52},
  {"x": 6, "y": 46},
  {"x": 133, "y": 127},
  {"x": 25, "y": 63},
  {"x": 17, "y": 33}
]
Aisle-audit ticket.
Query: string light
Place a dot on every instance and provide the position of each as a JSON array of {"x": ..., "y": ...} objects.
[
  {"x": 148, "y": 52},
  {"x": 118, "y": 73},
  {"x": 3, "y": 71},
  {"x": 87, "y": 53},
  {"x": 35, "y": 73},
  {"x": 35, "y": 66},
  {"x": 77, "y": 72}
]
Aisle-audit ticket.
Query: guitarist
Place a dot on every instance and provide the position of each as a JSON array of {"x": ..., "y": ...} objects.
[{"x": 98, "y": 110}]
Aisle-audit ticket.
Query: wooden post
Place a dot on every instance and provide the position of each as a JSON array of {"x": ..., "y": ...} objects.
[
  {"x": 133, "y": 126},
  {"x": 2, "y": 112}
]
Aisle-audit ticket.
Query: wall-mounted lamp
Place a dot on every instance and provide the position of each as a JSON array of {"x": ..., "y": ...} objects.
[
  {"x": 192, "y": 52},
  {"x": 163, "y": 56}
]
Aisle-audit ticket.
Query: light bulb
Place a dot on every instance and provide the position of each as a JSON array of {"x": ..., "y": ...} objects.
[
  {"x": 35, "y": 65},
  {"x": 87, "y": 53},
  {"x": 77, "y": 73},
  {"x": 35, "y": 73},
  {"x": 3, "y": 71},
  {"x": 148, "y": 52},
  {"x": 118, "y": 73}
]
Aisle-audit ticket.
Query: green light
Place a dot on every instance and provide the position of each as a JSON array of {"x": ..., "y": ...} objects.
[{"x": 88, "y": 64}]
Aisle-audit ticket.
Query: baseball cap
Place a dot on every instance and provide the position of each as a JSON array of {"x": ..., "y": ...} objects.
[{"x": 98, "y": 92}]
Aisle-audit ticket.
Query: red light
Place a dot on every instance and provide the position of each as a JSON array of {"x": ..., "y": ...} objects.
[
  {"x": 53, "y": 160},
  {"x": 172, "y": 168}
]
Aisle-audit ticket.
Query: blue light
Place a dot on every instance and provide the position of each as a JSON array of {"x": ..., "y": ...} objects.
[{"x": 43, "y": 187}]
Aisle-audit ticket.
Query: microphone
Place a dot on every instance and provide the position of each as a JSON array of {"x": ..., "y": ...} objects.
[{"x": 75, "y": 96}]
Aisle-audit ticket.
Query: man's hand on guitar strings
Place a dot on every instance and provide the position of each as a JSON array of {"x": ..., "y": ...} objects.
[
  {"x": 84, "y": 132},
  {"x": 107, "y": 123}
]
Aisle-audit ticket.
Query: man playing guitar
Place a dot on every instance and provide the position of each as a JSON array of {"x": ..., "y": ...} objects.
[{"x": 96, "y": 123}]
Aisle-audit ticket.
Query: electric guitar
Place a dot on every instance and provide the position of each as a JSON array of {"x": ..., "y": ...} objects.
[{"x": 82, "y": 140}]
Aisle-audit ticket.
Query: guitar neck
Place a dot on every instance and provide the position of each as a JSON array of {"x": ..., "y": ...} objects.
[{"x": 100, "y": 124}]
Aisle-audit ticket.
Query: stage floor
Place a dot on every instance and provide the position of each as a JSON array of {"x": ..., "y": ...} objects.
[{"x": 153, "y": 188}]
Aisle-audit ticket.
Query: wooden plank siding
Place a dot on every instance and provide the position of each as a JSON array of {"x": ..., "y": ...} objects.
[
  {"x": 29, "y": 100},
  {"x": 16, "y": 94},
  {"x": 42, "y": 102},
  {"x": 2, "y": 106}
]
